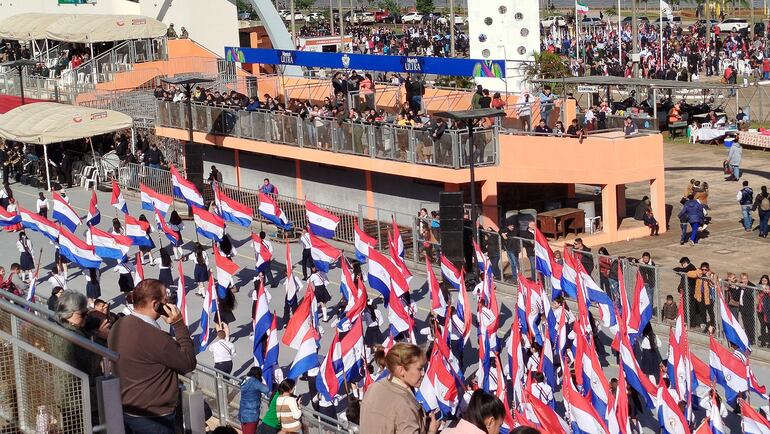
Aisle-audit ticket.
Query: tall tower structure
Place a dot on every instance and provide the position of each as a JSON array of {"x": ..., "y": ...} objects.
[{"x": 504, "y": 29}]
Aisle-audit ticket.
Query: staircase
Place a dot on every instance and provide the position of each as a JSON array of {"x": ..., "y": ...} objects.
[{"x": 139, "y": 104}]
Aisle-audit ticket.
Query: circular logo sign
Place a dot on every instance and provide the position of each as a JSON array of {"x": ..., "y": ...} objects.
[
  {"x": 77, "y": 118},
  {"x": 120, "y": 23}
]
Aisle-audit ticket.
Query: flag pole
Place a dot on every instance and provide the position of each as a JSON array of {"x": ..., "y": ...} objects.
[
  {"x": 577, "y": 33},
  {"x": 660, "y": 32}
]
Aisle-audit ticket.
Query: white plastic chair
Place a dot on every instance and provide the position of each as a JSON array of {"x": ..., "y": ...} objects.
[
  {"x": 84, "y": 176},
  {"x": 92, "y": 178}
]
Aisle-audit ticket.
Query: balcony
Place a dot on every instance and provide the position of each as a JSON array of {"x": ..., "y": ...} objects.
[{"x": 378, "y": 141}]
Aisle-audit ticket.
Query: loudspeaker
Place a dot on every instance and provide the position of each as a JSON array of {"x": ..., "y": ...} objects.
[{"x": 451, "y": 219}]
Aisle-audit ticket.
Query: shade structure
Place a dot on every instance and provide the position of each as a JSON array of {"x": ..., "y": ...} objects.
[
  {"x": 26, "y": 27},
  {"x": 103, "y": 28},
  {"x": 81, "y": 28},
  {"x": 43, "y": 123}
]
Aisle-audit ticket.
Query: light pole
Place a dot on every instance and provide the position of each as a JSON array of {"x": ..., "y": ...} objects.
[
  {"x": 193, "y": 155},
  {"x": 471, "y": 119},
  {"x": 19, "y": 66}
]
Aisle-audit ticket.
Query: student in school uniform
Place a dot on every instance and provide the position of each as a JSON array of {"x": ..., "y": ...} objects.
[
  {"x": 57, "y": 279},
  {"x": 176, "y": 224},
  {"x": 222, "y": 349},
  {"x": 125, "y": 279},
  {"x": 26, "y": 260},
  {"x": 147, "y": 250},
  {"x": 318, "y": 279},
  {"x": 93, "y": 288},
  {"x": 201, "y": 271},
  {"x": 165, "y": 263},
  {"x": 42, "y": 205}
]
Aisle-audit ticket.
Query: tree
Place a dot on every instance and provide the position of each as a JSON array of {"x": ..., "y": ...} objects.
[
  {"x": 424, "y": 6},
  {"x": 545, "y": 65},
  {"x": 303, "y": 5}
]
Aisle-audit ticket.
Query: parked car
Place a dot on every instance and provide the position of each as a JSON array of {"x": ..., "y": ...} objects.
[
  {"x": 244, "y": 15},
  {"x": 591, "y": 22},
  {"x": 363, "y": 18},
  {"x": 559, "y": 20},
  {"x": 384, "y": 17},
  {"x": 675, "y": 20},
  {"x": 733, "y": 25},
  {"x": 703, "y": 22},
  {"x": 412, "y": 18},
  {"x": 627, "y": 20},
  {"x": 459, "y": 20},
  {"x": 297, "y": 16},
  {"x": 314, "y": 16}
]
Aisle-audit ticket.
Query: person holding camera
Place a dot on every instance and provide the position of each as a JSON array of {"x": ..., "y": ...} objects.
[
  {"x": 703, "y": 295},
  {"x": 151, "y": 360}
]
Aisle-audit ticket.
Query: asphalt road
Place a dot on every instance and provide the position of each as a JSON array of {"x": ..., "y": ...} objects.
[{"x": 241, "y": 328}]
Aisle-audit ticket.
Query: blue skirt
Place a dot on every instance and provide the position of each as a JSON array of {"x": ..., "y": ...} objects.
[
  {"x": 165, "y": 277},
  {"x": 26, "y": 261},
  {"x": 201, "y": 273},
  {"x": 93, "y": 290}
]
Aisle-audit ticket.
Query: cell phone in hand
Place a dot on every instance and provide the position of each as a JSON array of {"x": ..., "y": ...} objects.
[{"x": 160, "y": 310}]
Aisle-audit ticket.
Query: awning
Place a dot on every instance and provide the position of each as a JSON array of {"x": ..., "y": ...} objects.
[
  {"x": 26, "y": 27},
  {"x": 82, "y": 28},
  {"x": 10, "y": 102},
  {"x": 103, "y": 28},
  {"x": 49, "y": 122}
]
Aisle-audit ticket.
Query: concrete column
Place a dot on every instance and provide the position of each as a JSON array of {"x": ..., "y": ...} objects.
[
  {"x": 369, "y": 192},
  {"x": 298, "y": 177},
  {"x": 658, "y": 201},
  {"x": 237, "y": 157},
  {"x": 571, "y": 191},
  {"x": 610, "y": 211},
  {"x": 621, "y": 195},
  {"x": 489, "y": 204}
]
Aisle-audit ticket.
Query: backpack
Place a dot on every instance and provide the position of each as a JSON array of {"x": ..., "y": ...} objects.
[
  {"x": 746, "y": 196},
  {"x": 764, "y": 205}
]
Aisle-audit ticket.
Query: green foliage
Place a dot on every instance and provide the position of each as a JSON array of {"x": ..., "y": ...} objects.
[
  {"x": 546, "y": 65},
  {"x": 389, "y": 5},
  {"x": 424, "y": 6},
  {"x": 455, "y": 81},
  {"x": 611, "y": 12},
  {"x": 243, "y": 5}
]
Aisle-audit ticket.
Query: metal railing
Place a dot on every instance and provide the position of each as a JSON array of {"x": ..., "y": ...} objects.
[
  {"x": 52, "y": 379},
  {"x": 120, "y": 58},
  {"x": 382, "y": 141},
  {"x": 222, "y": 393}
]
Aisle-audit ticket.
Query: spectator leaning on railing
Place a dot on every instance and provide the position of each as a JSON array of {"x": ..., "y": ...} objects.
[{"x": 151, "y": 360}]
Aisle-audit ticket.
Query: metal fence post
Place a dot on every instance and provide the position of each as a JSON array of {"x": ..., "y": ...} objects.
[
  {"x": 221, "y": 398},
  {"x": 110, "y": 406},
  {"x": 194, "y": 419}
]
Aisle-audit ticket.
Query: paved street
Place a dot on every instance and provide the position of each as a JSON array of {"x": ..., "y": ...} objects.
[{"x": 683, "y": 162}]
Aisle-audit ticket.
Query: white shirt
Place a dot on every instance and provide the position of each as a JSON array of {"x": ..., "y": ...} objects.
[
  {"x": 305, "y": 240},
  {"x": 20, "y": 246},
  {"x": 222, "y": 350},
  {"x": 66, "y": 198},
  {"x": 124, "y": 268},
  {"x": 268, "y": 244},
  {"x": 56, "y": 280},
  {"x": 42, "y": 204},
  {"x": 543, "y": 392},
  {"x": 318, "y": 279}
]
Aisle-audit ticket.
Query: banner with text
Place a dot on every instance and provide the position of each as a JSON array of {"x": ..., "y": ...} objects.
[{"x": 369, "y": 62}]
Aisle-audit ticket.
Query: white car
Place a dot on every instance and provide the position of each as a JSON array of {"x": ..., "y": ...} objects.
[
  {"x": 555, "y": 19},
  {"x": 314, "y": 16},
  {"x": 412, "y": 18},
  {"x": 363, "y": 18},
  {"x": 459, "y": 20},
  {"x": 733, "y": 25},
  {"x": 244, "y": 16},
  {"x": 297, "y": 16}
]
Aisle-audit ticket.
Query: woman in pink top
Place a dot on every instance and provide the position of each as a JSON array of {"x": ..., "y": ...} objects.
[{"x": 484, "y": 415}]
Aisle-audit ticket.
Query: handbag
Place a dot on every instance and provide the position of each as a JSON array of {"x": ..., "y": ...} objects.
[{"x": 727, "y": 169}]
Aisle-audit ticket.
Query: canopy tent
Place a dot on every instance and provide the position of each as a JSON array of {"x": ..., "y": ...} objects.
[
  {"x": 104, "y": 28},
  {"x": 27, "y": 27},
  {"x": 44, "y": 123},
  {"x": 82, "y": 28}
]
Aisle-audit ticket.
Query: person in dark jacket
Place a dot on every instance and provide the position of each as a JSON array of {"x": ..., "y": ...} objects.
[
  {"x": 687, "y": 284},
  {"x": 529, "y": 246},
  {"x": 586, "y": 258},
  {"x": 493, "y": 251},
  {"x": 693, "y": 210},
  {"x": 512, "y": 248},
  {"x": 764, "y": 212}
]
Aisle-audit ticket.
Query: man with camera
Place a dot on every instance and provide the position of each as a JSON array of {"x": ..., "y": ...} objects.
[{"x": 150, "y": 360}]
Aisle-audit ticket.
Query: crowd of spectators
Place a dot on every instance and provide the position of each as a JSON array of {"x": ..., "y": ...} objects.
[
  {"x": 431, "y": 38},
  {"x": 687, "y": 54}
]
